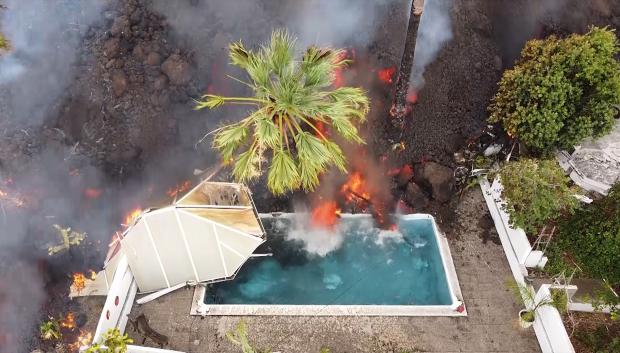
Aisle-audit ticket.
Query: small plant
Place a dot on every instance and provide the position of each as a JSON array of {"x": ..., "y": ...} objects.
[
  {"x": 239, "y": 337},
  {"x": 608, "y": 298},
  {"x": 68, "y": 238},
  {"x": 526, "y": 295},
  {"x": 536, "y": 192},
  {"x": 112, "y": 342},
  {"x": 296, "y": 113},
  {"x": 3, "y": 42},
  {"x": 560, "y": 91},
  {"x": 50, "y": 330}
]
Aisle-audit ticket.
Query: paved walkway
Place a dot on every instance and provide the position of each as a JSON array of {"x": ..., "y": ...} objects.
[{"x": 482, "y": 270}]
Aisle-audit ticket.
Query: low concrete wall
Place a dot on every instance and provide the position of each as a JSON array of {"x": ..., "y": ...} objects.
[
  {"x": 119, "y": 301},
  {"x": 519, "y": 245},
  {"x": 548, "y": 326}
]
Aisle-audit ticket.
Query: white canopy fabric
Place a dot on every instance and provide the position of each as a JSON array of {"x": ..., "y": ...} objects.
[{"x": 206, "y": 236}]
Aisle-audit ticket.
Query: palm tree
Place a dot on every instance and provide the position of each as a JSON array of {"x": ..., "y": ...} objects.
[{"x": 295, "y": 111}]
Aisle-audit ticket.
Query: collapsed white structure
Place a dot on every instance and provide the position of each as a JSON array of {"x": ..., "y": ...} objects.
[
  {"x": 595, "y": 164},
  {"x": 206, "y": 236}
]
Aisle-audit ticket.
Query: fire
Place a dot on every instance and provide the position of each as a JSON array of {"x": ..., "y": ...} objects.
[
  {"x": 84, "y": 339},
  {"x": 132, "y": 216},
  {"x": 355, "y": 188},
  {"x": 8, "y": 196},
  {"x": 387, "y": 75},
  {"x": 92, "y": 193},
  {"x": 325, "y": 215},
  {"x": 68, "y": 321},
  {"x": 179, "y": 189},
  {"x": 93, "y": 275},
  {"x": 79, "y": 281}
]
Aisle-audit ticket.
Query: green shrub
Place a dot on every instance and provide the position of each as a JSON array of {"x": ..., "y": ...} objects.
[
  {"x": 3, "y": 42},
  {"x": 560, "y": 90},
  {"x": 535, "y": 192},
  {"x": 113, "y": 341},
  {"x": 592, "y": 237}
]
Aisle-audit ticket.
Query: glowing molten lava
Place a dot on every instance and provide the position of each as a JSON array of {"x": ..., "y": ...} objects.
[
  {"x": 387, "y": 75},
  {"x": 68, "y": 321},
  {"x": 325, "y": 215},
  {"x": 179, "y": 189},
  {"x": 79, "y": 281},
  {"x": 412, "y": 97},
  {"x": 355, "y": 188},
  {"x": 92, "y": 193}
]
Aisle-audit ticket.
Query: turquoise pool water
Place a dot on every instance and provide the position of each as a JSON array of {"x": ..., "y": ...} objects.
[{"x": 368, "y": 267}]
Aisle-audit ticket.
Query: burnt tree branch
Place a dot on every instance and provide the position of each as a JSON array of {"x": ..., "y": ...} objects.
[{"x": 399, "y": 106}]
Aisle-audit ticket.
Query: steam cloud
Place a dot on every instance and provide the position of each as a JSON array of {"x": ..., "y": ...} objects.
[{"x": 434, "y": 32}]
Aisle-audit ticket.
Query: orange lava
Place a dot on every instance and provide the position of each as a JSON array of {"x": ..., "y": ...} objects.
[
  {"x": 355, "y": 187},
  {"x": 387, "y": 75},
  {"x": 92, "y": 193},
  {"x": 179, "y": 188},
  {"x": 68, "y": 321},
  {"x": 412, "y": 97},
  {"x": 79, "y": 281},
  {"x": 325, "y": 215},
  {"x": 132, "y": 216}
]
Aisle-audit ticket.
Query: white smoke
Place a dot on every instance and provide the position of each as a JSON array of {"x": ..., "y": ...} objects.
[
  {"x": 44, "y": 36},
  {"x": 433, "y": 34}
]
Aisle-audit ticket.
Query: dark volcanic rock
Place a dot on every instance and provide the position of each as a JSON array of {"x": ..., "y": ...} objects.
[
  {"x": 153, "y": 59},
  {"x": 111, "y": 47},
  {"x": 441, "y": 180},
  {"x": 120, "y": 26},
  {"x": 416, "y": 197},
  {"x": 176, "y": 69},
  {"x": 119, "y": 82}
]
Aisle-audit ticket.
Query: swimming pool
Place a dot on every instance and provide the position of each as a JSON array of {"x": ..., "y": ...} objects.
[{"x": 355, "y": 270}]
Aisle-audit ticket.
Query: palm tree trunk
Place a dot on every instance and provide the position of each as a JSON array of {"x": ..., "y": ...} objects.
[{"x": 399, "y": 106}]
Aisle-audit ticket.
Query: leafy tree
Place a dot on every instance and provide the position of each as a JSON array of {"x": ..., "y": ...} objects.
[
  {"x": 561, "y": 90},
  {"x": 295, "y": 111},
  {"x": 113, "y": 342},
  {"x": 536, "y": 191},
  {"x": 592, "y": 237}
]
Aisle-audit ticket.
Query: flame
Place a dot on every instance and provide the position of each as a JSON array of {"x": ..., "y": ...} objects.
[
  {"x": 326, "y": 214},
  {"x": 79, "y": 282},
  {"x": 132, "y": 216},
  {"x": 338, "y": 78},
  {"x": 93, "y": 275},
  {"x": 68, "y": 321},
  {"x": 92, "y": 193},
  {"x": 387, "y": 75},
  {"x": 179, "y": 189},
  {"x": 355, "y": 187},
  {"x": 8, "y": 196},
  {"x": 84, "y": 339}
]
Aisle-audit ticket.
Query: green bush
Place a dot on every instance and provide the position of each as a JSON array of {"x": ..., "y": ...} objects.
[
  {"x": 560, "y": 90},
  {"x": 536, "y": 191},
  {"x": 592, "y": 237},
  {"x": 3, "y": 42}
]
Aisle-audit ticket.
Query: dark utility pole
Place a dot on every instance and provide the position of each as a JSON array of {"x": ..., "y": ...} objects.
[{"x": 399, "y": 106}]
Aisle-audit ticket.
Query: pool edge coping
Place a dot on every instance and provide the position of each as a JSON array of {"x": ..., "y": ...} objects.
[{"x": 457, "y": 308}]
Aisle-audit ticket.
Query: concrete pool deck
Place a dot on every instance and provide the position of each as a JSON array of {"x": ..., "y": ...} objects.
[{"x": 491, "y": 324}]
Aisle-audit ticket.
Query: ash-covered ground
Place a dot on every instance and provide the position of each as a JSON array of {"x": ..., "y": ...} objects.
[{"x": 96, "y": 110}]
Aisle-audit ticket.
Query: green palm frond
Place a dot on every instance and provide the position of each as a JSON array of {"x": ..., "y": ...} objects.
[
  {"x": 230, "y": 138},
  {"x": 239, "y": 56},
  {"x": 291, "y": 98},
  {"x": 283, "y": 173}
]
